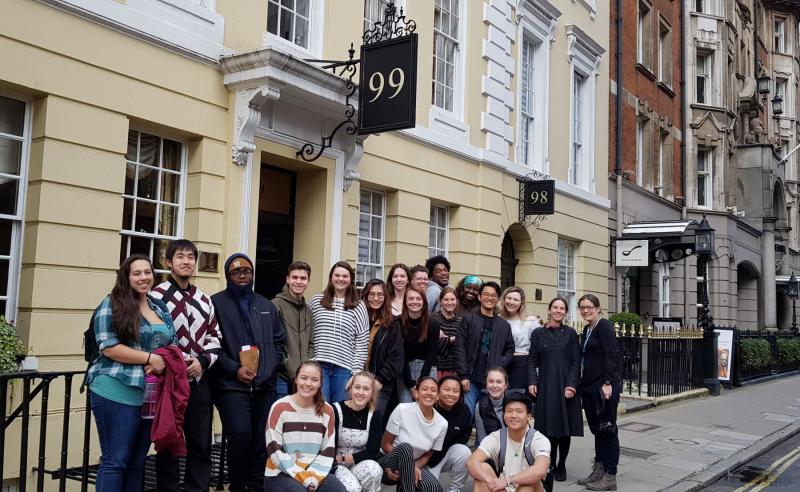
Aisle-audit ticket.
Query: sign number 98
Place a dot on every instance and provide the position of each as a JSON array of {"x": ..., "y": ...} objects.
[
  {"x": 377, "y": 83},
  {"x": 539, "y": 197}
]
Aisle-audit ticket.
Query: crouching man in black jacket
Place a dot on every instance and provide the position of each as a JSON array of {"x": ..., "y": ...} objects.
[{"x": 243, "y": 397}]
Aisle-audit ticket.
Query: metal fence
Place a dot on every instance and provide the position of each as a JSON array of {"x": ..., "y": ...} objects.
[
  {"x": 657, "y": 363},
  {"x": 758, "y": 354}
]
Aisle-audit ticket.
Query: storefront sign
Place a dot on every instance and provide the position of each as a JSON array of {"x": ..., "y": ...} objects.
[
  {"x": 388, "y": 89},
  {"x": 725, "y": 353},
  {"x": 666, "y": 325},
  {"x": 632, "y": 252},
  {"x": 539, "y": 197}
]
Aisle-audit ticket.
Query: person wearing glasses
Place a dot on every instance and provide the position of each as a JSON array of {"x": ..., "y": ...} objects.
[
  {"x": 484, "y": 340},
  {"x": 251, "y": 327},
  {"x": 600, "y": 388}
]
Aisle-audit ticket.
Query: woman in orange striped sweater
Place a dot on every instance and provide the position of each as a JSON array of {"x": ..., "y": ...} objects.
[{"x": 301, "y": 438}]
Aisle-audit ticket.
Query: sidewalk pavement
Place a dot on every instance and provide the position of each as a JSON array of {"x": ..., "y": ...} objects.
[{"x": 688, "y": 444}]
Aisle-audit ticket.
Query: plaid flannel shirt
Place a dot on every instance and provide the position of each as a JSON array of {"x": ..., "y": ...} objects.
[{"x": 106, "y": 335}]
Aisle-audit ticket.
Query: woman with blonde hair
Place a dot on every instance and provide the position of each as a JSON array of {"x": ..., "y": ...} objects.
[
  {"x": 358, "y": 436},
  {"x": 512, "y": 309}
]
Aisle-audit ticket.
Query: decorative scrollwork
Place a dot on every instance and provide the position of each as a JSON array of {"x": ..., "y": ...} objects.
[
  {"x": 530, "y": 220},
  {"x": 392, "y": 26},
  {"x": 308, "y": 152}
]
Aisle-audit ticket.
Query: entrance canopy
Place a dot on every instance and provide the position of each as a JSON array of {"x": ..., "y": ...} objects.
[{"x": 670, "y": 240}]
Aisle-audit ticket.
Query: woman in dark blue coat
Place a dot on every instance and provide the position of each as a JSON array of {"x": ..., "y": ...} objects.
[{"x": 553, "y": 377}]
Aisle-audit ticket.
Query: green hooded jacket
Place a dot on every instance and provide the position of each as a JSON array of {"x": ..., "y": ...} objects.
[{"x": 296, "y": 317}]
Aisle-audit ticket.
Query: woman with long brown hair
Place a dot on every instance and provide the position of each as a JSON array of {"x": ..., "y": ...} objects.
[
  {"x": 128, "y": 326},
  {"x": 449, "y": 320},
  {"x": 341, "y": 331},
  {"x": 397, "y": 282},
  {"x": 385, "y": 359},
  {"x": 421, "y": 342},
  {"x": 512, "y": 309},
  {"x": 301, "y": 438}
]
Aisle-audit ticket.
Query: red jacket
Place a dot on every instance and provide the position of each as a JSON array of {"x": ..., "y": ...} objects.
[{"x": 167, "y": 430}]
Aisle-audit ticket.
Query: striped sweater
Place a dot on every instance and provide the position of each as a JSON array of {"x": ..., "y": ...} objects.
[
  {"x": 341, "y": 336},
  {"x": 300, "y": 443}
]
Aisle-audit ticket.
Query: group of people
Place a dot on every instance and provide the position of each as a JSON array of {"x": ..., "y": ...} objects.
[{"x": 349, "y": 389}]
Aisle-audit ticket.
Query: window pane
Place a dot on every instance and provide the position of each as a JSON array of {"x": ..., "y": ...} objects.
[
  {"x": 12, "y": 117},
  {"x": 442, "y": 216},
  {"x": 272, "y": 18},
  {"x": 363, "y": 225},
  {"x": 8, "y": 196},
  {"x": 140, "y": 245},
  {"x": 363, "y": 250},
  {"x": 3, "y": 307},
  {"x": 377, "y": 204},
  {"x": 149, "y": 149},
  {"x": 701, "y": 190},
  {"x": 286, "y": 24},
  {"x": 167, "y": 225},
  {"x": 441, "y": 237},
  {"x": 432, "y": 237},
  {"x": 127, "y": 214},
  {"x": 130, "y": 178},
  {"x": 133, "y": 139},
  {"x": 364, "y": 205},
  {"x": 289, "y": 4},
  {"x": 160, "y": 254},
  {"x": 4, "y": 268},
  {"x": 376, "y": 228},
  {"x": 375, "y": 252},
  {"x": 145, "y": 217},
  {"x": 170, "y": 187},
  {"x": 5, "y": 237},
  {"x": 301, "y": 32},
  {"x": 172, "y": 155},
  {"x": 302, "y": 7},
  {"x": 147, "y": 183},
  {"x": 10, "y": 155}
]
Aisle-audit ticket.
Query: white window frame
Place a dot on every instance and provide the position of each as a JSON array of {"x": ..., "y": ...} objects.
[
  {"x": 779, "y": 33},
  {"x": 315, "y": 33},
  {"x": 370, "y": 23},
  {"x": 665, "y": 53},
  {"x": 537, "y": 26},
  {"x": 641, "y": 124},
  {"x": 128, "y": 234},
  {"x": 705, "y": 6},
  {"x": 707, "y": 174},
  {"x": 568, "y": 292},
  {"x": 644, "y": 32},
  {"x": 707, "y": 75},
  {"x": 663, "y": 290},
  {"x": 360, "y": 264},
  {"x": 781, "y": 86},
  {"x": 433, "y": 247},
  {"x": 452, "y": 123},
  {"x": 17, "y": 219},
  {"x": 584, "y": 56}
]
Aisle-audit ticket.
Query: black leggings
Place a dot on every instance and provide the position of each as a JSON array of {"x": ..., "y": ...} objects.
[
  {"x": 401, "y": 458},
  {"x": 559, "y": 444}
]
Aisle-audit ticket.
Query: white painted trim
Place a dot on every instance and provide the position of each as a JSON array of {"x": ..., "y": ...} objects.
[
  {"x": 452, "y": 123},
  {"x": 316, "y": 29},
  {"x": 177, "y": 25},
  {"x": 381, "y": 262},
  {"x": 247, "y": 191},
  {"x": 591, "y": 6}
]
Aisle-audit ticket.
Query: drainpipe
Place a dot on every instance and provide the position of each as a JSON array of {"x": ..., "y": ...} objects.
[
  {"x": 683, "y": 104},
  {"x": 687, "y": 280},
  {"x": 618, "y": 157}
]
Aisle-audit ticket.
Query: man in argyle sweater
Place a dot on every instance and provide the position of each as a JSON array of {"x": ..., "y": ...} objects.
[{"x": 199, "y": 338}]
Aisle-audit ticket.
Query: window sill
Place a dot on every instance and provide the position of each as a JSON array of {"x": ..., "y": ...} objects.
[
  {"x": 445, "y": 123},
  {"x": 667, "y": 89},
  {"x": 697, "y": 105},
  {"x": 278, "y": 43},
  {"x": 646, "y": 72}
]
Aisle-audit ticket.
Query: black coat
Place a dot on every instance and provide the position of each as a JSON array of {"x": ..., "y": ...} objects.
[
  {"x": 553, "y": 365},
  {"x": 600, "y": 356},
  {"x": 386, "y": 355},
  {"x": 269, "y": 335},
  {"x": 468, "y": 346}
]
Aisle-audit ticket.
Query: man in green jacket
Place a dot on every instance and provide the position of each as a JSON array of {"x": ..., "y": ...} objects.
[{"x": 296, "y": 317}]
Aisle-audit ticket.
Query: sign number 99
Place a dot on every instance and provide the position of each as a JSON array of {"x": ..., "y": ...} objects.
[{"x": 377, "y": 83}]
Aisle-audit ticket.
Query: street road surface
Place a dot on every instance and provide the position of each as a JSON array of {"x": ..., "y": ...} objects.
[{"x": 777, "y": 470}]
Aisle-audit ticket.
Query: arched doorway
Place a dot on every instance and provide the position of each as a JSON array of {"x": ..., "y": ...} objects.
[{"x": 508, "y": 262}]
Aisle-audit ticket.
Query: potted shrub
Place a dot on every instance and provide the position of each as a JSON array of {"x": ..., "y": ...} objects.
[{"x": 12, "y": 350}]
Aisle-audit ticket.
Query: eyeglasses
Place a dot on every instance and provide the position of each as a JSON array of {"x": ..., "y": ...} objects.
[
  {"x": 375, "y": 295},
  {"x": 241, "y": 272},
  {"x": 489, "y": 295},
  {"x": 586, "y": 308}
]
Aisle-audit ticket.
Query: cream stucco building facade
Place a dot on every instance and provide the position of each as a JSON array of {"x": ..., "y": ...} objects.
[{"x": 125, "y": 124}]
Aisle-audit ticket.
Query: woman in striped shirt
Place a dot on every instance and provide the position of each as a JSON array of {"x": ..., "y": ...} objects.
[
  {"x": 341, "y": 331},
  {"x": 301, "y": 438},
  {"x": 449, "y": 319}
]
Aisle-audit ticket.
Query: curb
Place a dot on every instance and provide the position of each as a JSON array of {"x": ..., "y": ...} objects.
[
  {"x": 704, "y": 478},
  {"x": 662, "y": 400}
]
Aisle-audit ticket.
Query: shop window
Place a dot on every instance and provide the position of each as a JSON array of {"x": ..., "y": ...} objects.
[{"x": 371, "y": 219}]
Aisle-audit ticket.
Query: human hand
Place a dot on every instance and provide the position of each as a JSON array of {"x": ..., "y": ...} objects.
[
  {"x": 156, "y": 365},
  {"x": 465, "y": 385},
  {"x": 497, "y": 484},
  {"x": 532, "y": 390},
  {"x": 194, "y": 369},
  {"x": 245, "y": 375},
  {"x": 607, "y": 391},
  {"x": 569, "y": 392},
  {"x": 417, "y": 475},
  {"x": 393, "y": 475},
  {"x": 378, "y": 386}
]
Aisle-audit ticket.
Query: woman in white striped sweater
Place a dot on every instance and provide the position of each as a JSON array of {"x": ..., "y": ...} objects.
[
  {"x": 341, "y": 331},
  {"x": 301, "y": 436}
]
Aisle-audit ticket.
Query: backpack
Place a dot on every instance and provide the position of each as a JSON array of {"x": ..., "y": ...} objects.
[
  {"x": 547, "y": 482},
  {"x": 90, "y": 351}
]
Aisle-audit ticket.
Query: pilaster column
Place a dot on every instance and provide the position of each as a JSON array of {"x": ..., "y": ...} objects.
[{"x": 768, "y": 273}]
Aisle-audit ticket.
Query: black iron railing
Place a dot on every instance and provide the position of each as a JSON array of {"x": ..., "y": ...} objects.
[{"x": 758, "y": 354}]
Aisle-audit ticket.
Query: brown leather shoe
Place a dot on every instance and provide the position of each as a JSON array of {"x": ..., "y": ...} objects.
[
  {"x": 597, "y": 472},
  {"x": 606, "y": 482}
]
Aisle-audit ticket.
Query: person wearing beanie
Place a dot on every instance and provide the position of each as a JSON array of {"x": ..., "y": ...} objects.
[
  {"x": 467, "y": 292},
  {"x": 251, "y": 327}
]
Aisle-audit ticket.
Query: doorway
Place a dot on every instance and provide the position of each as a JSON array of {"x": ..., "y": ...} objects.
[
  {"x": 508, "y": 263},
  {"x": 275, "y": 235}
]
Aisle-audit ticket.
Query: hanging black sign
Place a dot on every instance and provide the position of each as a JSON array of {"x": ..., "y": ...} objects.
[
  {"x": 539, "y": 197},
  {"x": 388, "y": 88}
]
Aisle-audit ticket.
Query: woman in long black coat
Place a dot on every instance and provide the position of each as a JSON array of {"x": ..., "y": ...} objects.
[{"x": 553, "y": 376}]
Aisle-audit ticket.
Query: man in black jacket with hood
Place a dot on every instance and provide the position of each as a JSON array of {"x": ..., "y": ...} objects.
[{"x": 243, "y": 396}]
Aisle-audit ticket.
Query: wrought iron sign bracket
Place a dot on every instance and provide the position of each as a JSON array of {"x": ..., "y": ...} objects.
[{"x": 394, "y": 25}]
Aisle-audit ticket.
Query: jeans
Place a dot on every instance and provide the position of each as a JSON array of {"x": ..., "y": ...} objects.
[
  {"x": 473, "y": 395},
  {"x": 415, "y": 368},
  {"x": 281, "y": 388},
  {"x": 124, "y": 441},
  {"x": 334, "y": 379},
  {"x": 606, "y": 441},
  {"x": 197, "y": 430}
]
